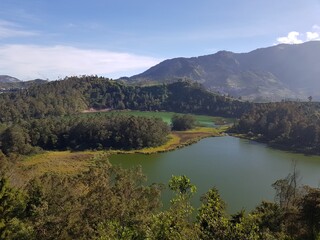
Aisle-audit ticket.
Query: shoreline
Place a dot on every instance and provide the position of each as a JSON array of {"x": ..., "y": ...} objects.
[
  {"x": 274, "y": 145},
  {"x": 178, "y": 139},
  {"x": 74, "y": 162}
]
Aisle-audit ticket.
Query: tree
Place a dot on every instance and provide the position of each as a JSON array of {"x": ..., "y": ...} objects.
[
  {"x": 310, "y": 212},
  {"x": 53, "y": 206},
  {"x": 270, "y": 218},
  {"x": 182, "y": 185},
  {"x": 211, "y": 217},
  {"x": 175, "y": 223},
  {"x": 182, "y": 122},
  {"x": 117, "y": 205},
  {"x": 12, "y": 207},
  {"x": 243, "y": 227},
  {"x": 287, "y": 189},
  {"x": 15, "y": 139}
]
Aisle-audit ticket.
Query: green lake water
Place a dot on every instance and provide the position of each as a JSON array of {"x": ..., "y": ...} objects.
[{"x": 242, "y": 170}]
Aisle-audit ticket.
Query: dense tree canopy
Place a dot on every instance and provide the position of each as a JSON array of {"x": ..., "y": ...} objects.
[
  {"x": 76, "y": 94},
  {"x": 289, "y": 125},
  {"x": 87, "y": 132}
]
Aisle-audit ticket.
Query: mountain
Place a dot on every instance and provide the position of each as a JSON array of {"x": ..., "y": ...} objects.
[
  {"x": 8, "y": 79},
  {"x": 266, "y": 74},
  {"x": 8, "y": 83}
]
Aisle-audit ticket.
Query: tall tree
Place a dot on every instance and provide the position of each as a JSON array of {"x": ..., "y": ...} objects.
[{"x": 12, "y": 210}]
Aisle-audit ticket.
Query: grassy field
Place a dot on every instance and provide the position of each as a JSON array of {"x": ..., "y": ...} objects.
[
  {"x": 202, "y": 120},
  {"x": 58, "y": 162}
]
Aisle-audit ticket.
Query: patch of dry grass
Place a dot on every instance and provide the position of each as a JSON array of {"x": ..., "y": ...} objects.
[{"x": 58, "y": 162}]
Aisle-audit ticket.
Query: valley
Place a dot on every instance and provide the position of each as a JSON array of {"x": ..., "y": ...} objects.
[
  {"x": 56, "y": 154},
  {"x": 159, "y": 120}
]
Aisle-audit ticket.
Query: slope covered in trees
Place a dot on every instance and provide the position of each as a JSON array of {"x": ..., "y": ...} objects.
[
  {"x": 47, "y": 116},
  {"x": 76, "y": 94},
  {"x": 289, "y": 125}
]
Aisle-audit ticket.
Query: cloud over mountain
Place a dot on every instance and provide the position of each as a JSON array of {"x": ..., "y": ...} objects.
[{"x": 295, "y": 37}]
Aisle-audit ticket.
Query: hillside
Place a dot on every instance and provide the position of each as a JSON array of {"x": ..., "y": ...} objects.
[
  {"x": 8, "y": 79},
  {"x": 267, "y": 74},
  {"x": 73, "y": 95},
  {"x": 8, "y": 83}
]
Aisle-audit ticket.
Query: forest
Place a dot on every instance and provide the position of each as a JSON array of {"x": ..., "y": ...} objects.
[
  {"x": 75, "y": 94},
  {"x": 289, "y": 125},
  {"x": 48, "y": 116},
  {"x": 80, "y": 133}
]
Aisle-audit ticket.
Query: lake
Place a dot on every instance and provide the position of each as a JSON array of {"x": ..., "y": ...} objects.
[{"x": 242, "y": 170}]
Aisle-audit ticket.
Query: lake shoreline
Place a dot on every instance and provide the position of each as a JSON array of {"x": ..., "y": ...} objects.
[
  {"x": 73, "y": 162},
  {"x": 274, "y": 145},
  {"x": 178, "y": 139}
]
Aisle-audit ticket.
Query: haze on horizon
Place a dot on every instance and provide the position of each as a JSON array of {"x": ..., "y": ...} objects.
[{"x": 52, "y": 39}]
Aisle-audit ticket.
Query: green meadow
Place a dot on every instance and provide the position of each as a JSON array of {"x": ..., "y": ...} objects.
[{"x": 202, "y": 120}]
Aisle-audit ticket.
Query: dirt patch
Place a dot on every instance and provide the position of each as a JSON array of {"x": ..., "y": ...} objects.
[
  {"x": 92, "y": 110},
  {"x": 187, "y": 136}
]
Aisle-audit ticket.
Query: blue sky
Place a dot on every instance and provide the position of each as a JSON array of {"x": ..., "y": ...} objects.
[{"x": 51, "y": 39}]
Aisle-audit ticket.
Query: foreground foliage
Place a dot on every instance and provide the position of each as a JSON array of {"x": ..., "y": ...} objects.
[{"x": 109, "y": 202}]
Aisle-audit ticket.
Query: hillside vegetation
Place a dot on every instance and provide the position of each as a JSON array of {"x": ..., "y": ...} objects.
[
  {"x": 288, "y": 125},
  {"x": 107, "y": 202},
  {"x": 76, "y": 94}
]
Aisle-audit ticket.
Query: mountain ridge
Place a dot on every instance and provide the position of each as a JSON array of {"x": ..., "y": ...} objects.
[
  {"x": 9, "y": 83},
  {"x": 8, "y": 79},
  {"x": 271, "y": 73}
]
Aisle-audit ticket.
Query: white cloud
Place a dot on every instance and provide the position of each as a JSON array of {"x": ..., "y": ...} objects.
[
  {"x": 291, "y": 38},
  {"x": 9, "y": 29},
  {"x": 296, "y": 37},
  {"x": 312, "y": 36},
  {"x": 53, "y": 62}
]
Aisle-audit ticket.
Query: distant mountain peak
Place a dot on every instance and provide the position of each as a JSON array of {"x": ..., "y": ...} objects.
[
  {"x": 8, "y": 83},
  {"x": 8, "y": 79},
  {"x": 271, "y": 73}
]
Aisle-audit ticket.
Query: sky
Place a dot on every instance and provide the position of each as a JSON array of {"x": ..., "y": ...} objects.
[{"x": 52, "y": 39}]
